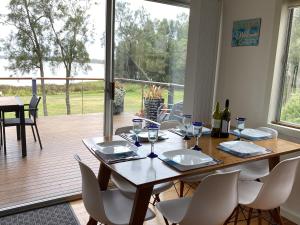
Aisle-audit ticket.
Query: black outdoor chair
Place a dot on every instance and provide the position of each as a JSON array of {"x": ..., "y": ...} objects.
[{"x": 32, "y": 109}]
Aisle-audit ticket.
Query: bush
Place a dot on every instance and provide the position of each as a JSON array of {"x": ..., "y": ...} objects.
[{"x": 291, "y": 110}]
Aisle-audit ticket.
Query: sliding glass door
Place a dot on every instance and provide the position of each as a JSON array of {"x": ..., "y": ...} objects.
[{"x": 148, "y": 67}]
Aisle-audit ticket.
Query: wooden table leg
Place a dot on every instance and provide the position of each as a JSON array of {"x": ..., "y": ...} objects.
[
  {"x": 23, "y": 130},
  {"x": 140, "y": 205},
  {"x": 103, "y": 179},
  {"x": 273, "y": 162}
]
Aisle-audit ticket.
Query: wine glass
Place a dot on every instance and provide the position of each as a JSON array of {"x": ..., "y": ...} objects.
[
  {"x": 152, "y": 137},
  {"x": 197, "y": 132},
  {"x": 137, "y": 128},
  {"x": 187, "y": 121},
  {"x": 240, "y": 125}
]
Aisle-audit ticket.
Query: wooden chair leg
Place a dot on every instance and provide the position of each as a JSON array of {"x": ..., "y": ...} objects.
[
  {"x": 33, "y": 133},
  {"x": 259, "y": 217},
  {"x": 166, "y": 221},
  {"x": 278, "y": 218},
  {"x": 249, "y": 216},
  {"x": 181, "y": 188},
  {"x": 37, "y": 132},
  {"x": 236, "y": 215},
  {"x": 229, "y": 218}
]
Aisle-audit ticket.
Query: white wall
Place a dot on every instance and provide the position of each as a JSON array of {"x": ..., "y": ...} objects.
[
  {"x": 202, "y": 58},
  {"x": 244, "y": 71},
  {"x": 248, "y": 75}
]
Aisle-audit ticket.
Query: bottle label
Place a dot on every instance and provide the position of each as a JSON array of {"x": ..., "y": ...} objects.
[
  {"x": 225, "y": 126},
  {"x": 216, "y": 123}
]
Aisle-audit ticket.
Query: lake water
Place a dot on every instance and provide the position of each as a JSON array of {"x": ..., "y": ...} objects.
[{"x": 97, "y": 71}]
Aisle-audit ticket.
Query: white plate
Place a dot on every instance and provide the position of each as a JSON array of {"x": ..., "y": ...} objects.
[
  {"x": 243, "y": 147},
  {"x": 187, "y": 157},
  {"x": 144, "y": 135},
  {"x": 116, "y": 147},
  {"x": 205, "y": 130}
]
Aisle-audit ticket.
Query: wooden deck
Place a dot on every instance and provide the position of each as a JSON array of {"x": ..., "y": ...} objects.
[{"x": 51, "y": 174}]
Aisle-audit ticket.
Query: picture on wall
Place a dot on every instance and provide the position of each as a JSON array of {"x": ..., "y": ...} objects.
[{"x": 246, "y": 32}]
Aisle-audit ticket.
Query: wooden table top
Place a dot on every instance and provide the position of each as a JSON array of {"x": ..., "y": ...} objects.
[
  {"x": 145, "y": 172},
  {"x": 10, "y": 101}
]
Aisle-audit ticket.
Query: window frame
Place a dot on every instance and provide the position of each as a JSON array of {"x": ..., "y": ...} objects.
[{"x": 284, "y": 71}]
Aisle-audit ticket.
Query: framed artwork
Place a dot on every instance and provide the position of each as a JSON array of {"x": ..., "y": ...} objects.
[{"x": 246, "y": 32}]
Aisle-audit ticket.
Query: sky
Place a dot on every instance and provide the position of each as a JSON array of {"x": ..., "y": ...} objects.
[{"x": 97, "y": 12}]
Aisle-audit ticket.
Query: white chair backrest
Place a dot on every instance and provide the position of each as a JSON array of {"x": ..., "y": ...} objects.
[
  {"x": 277, "y": 186},
  {"x": 169, "y": 124},
  {"x": 214, "y": 200},
  {"x": 91, "y": 194},
  {"x": 122, "y": 130},
  {"x": 270, "y": 131}
]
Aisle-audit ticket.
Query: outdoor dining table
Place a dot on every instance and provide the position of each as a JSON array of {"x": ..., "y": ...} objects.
[
  {"x": 15, "y": 104},
  {"x": 145, "y": 173}
]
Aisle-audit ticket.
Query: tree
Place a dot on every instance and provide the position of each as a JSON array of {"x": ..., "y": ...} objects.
[
  {"x": 148, "y": 48},
  {"x": 68, "y": 20},
  {"x": 28, "y": 44}
]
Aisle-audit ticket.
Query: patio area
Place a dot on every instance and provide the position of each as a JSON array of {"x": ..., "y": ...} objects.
[{"x": 51, "y": 174}]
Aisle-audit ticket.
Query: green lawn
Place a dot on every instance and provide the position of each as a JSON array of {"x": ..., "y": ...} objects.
[{"x": 92, "y": 98}]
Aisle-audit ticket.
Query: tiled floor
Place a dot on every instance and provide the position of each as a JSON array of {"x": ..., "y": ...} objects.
[{"x": 52, "y": 172}]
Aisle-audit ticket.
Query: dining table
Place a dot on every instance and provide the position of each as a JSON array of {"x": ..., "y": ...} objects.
[
  {"x": 15, "y": 104},
  {"x": 146, "y": 172}
]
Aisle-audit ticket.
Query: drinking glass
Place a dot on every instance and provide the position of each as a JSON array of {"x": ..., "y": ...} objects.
[
  {"x": 240, "y": 125},
  {"x": 152, "y": 137},
  {"x": 197, "y": 132},
  {"x": 137, "y": 128},
  {"x": 187, "y": 121}
]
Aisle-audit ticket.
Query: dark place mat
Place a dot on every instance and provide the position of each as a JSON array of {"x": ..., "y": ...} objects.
[{"x": 61, "y": 214}]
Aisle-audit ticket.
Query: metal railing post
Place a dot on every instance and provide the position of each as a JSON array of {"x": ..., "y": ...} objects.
[
  {"x": 33, "y": 86},
  {"x": 170, "y": 95}
]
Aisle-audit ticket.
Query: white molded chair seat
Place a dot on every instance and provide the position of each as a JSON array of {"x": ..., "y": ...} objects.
[
  {"x": 274, "y": 191},
  {"x": 129, "y": 190},
  {"x": 196, "y": 178},
  {"x": 209, "y": 205},
  {"x": 248, "y": 191},
  {"x": 254, "y": 170},
  {"x": 109, "y": 207}
]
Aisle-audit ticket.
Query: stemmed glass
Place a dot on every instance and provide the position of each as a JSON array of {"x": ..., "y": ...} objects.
[
  {"x": 197, "y": 132},
  {"x": 137, "y": 128},
  {"x": 240, "y": 125},
  {"x": 152, "y": 137},
  {"x": 187, "y": 121}
]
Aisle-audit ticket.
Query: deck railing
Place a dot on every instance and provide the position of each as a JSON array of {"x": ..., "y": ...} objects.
[{"x": 83, "y": 92}]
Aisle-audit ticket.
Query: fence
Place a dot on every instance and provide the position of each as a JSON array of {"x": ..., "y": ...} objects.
[{"x": 85, "y": 94}]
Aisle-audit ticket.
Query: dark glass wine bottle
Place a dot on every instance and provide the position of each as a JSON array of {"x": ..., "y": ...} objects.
[
  {"x": 216, "y": 122},
  {"x": 225, "y": 121}
]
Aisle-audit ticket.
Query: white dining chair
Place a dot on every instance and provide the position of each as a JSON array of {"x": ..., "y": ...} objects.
[
  {"x": 258, "y": 169},
  {"x": 109, "y": 207},
  {"x": 169, "y": 124},
  {"x": 212, "y": 203},
  {"x": 272, "y": 193},
  {"x": 128, "y": 189}
]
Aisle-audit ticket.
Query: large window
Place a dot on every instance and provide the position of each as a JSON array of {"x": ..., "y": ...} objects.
[{"x": 289, "y": 112}]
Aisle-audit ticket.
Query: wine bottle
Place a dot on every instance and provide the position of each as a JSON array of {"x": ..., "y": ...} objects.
[
  {"x": 216, "y": 122},
  {"x": 225, "y": 121}
]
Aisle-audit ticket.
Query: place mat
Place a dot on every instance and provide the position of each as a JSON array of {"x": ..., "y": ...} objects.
[
  {"x": 243, "y": 149},
  {"x": 183, "y": 168},
  {"x": 252, "y": 134},
  {"x": 61, "y": 214}
]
